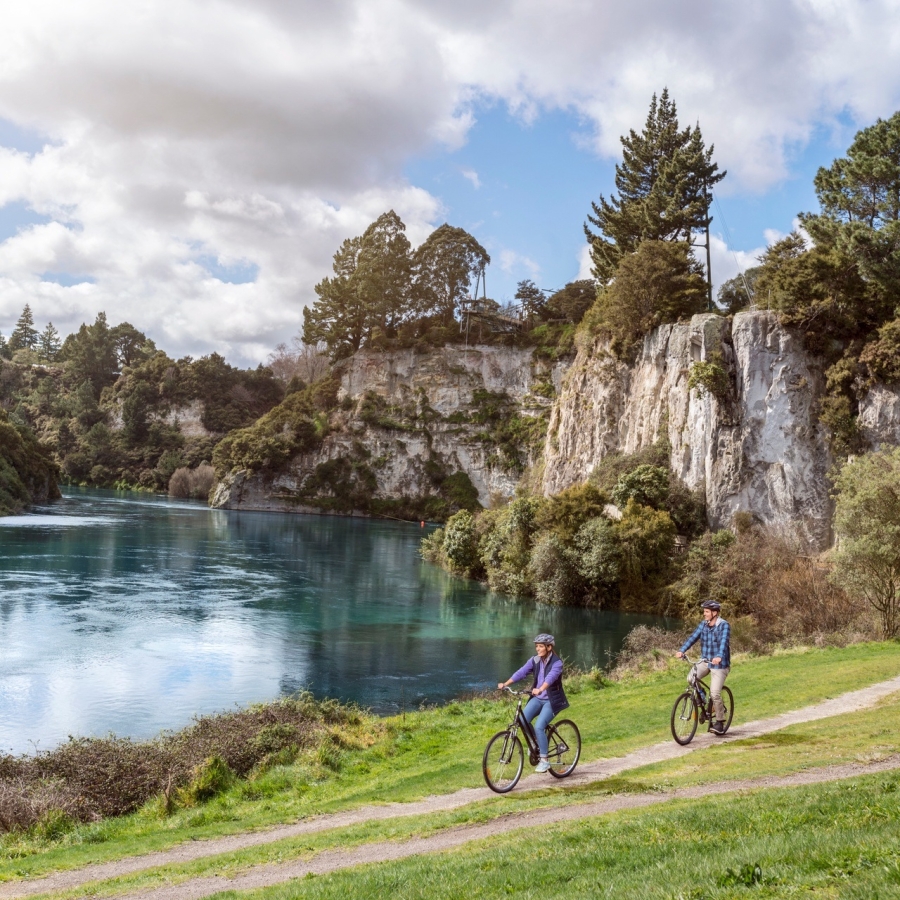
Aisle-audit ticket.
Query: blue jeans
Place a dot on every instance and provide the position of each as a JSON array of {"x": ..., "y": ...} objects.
[{"x": 541, "y": 709}]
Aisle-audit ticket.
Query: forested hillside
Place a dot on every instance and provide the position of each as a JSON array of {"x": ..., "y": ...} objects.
[{"x": 112, "y": 409}]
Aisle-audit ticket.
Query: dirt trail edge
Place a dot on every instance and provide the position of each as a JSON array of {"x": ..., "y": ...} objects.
[{"x": 328, "y": 861}]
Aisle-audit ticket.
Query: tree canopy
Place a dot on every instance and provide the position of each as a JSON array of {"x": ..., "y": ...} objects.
[
  {"x": 381, "y": 285},
  {"x": 867, "y": 523},
  {"x": 859, "y": 200},
  {"x": 664, "y": 185}
]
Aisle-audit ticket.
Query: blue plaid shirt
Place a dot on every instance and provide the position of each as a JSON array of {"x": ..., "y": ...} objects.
[{"x": 715, "y": 641}]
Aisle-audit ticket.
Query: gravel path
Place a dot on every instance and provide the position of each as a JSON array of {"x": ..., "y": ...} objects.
[{"x": 452, "y": 837}]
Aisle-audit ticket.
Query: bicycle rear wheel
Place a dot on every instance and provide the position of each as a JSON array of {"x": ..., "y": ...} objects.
[
  {"x": 728, "y": 701},
  {"x": 684, "y": 718},
  {"x": 503, "y": 762},
  {"x": 564, "y": 747}
]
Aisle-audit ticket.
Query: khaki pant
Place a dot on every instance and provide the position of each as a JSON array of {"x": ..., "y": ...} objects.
[{"x": 716, "y": 680}]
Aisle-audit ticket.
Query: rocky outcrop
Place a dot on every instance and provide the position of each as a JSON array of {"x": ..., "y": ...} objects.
[
  {"x": 879, "y": 417},
  {"x": 756, "y": 447},
  {"x": 411, "y": 419}
]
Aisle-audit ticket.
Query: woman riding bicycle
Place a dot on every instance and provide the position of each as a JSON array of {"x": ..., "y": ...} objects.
[{"x": 547, "y": 695}]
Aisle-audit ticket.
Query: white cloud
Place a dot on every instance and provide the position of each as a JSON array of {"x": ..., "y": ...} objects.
[
  {"x": 472, "y": 176},
  {"x": 260, "y": 134},
  {"x": 585, "y": 264},
  {"x": 510, "y": 261}
]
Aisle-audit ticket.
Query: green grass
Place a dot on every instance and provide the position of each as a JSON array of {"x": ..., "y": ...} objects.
[
  {"x": 833, "y": 840},
  {"x": 436, "y": 751},
  {"x": 866, "y": 736}
]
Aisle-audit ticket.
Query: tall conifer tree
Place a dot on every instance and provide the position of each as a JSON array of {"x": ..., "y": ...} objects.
[
  {"x": 49, "y": 343},
  {"x": 664, "y": 185},
  {"x": 25, "y": 336}
]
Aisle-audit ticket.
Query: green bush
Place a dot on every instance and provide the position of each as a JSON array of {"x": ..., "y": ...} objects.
[
  {"x": 867, "y": 523},
  {"x": 646, "y": 485},
  {"x": 26, "y": 471},
  {"x": 505, "y": 548},
  {"x": 710, "y": 376},
  {"x": 599, "y": 559},
  {"x": 211, "y": 777},
  {"x": 460, "y": 544},
  {"x": 554, "y": 572},
  {"x": 566, "y": 512},
  {"x": 273, "y": 440}
]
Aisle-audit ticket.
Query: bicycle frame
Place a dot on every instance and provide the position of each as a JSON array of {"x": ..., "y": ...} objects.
[
  {"x": 519, "y": 722},
  {"x": 699, "y": 688}
]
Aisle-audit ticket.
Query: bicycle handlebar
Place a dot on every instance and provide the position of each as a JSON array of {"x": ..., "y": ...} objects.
[{"x": 517, "y": 693}]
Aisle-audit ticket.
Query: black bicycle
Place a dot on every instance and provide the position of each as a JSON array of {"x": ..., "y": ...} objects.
[
  {"x": 695, "y": 706},
  {"x": 504, "y": 757}
]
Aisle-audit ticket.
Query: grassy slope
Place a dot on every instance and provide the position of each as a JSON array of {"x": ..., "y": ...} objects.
[
  {"x": 436, "y": 751},
  {"x": 836, "y": 840}
]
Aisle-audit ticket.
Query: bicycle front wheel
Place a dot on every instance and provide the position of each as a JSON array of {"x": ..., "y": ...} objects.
[
  {"x": 564, "y": 741},
  {"x": 503, "y": 762},
  {"x": 684, "y": 719}
]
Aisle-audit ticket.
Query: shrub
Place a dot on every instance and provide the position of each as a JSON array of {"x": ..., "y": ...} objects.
[
  {"x": 192, "y": 483},
  {"x": 460, "y": 544},
  {"x": 758, "y": 575},
  {"x": 710, "y": 376},
  {"x": 554, "y": 572},
  {"x": 599, "y": 559},
  {"x": 209, "y": 778},
  {"x": 273, "y": 440},
  {"x": 89, "y": 778},
  {"x": 565, "y": 513},
  {"x": 867, "y": 523},
  {"x": 505, "y": 548},
  {"x": 882, "y": 356},
  {"x": 646, "y": 485},
  {"x": 646, "y": 537}
]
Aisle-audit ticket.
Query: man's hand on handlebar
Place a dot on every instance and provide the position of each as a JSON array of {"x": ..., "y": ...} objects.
[{"x": 679, "y": 654}]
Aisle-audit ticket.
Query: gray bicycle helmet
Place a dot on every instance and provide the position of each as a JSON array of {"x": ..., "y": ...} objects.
[
  {"x": 545, "y": 639},
  {"x": 711, "y": 604}
]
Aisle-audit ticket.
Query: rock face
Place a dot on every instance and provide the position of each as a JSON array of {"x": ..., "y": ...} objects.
[
  {"x": 879, "y": 417},
  {"x": 750, "y": 442},
  {"x": 758, "y": 447},
  {"x": 431, "y": 398}
]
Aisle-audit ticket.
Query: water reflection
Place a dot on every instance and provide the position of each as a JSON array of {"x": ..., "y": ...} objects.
[{"x": 130, "y": 613}]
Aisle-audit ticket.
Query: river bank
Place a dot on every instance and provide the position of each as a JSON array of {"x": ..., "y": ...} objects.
[{"x": 436, "y": 751}]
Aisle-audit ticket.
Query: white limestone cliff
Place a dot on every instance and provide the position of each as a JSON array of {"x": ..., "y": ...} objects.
[{"x": 759, "y": 449}]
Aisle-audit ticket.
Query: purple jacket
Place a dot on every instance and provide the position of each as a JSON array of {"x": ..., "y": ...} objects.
[{"x": 550, "y": 671}]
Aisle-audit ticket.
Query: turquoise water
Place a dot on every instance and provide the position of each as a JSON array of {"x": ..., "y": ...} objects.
[{"x": 128, "y": 613}]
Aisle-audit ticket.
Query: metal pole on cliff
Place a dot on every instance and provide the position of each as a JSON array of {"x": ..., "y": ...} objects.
[{"x": 709, "y": 299}]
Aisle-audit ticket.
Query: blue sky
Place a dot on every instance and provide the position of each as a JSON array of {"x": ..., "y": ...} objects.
[
  {"x": 526, "y": 187},
  {"x": 192, "y": 169}
]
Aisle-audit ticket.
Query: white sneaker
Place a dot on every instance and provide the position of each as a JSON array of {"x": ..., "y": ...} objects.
[{"x": 543, "y": 766}]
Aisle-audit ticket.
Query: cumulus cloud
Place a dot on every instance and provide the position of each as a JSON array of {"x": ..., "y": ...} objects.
[{"x": 191, "y": 145}]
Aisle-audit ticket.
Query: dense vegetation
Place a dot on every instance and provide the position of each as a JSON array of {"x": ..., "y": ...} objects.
[
  {"x": 106, "y": 402},
  {"x": 27, "y": 473}
]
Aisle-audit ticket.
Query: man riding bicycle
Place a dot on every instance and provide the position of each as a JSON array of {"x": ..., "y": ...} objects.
[
  {"x": 714, "y": 634},
  {"x": 547, "y": 695}
]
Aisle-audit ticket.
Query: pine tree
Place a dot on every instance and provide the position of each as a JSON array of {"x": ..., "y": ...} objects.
[
  {"x": 664, "y": 185},
  {"x": 339, "y": 316},
  {"x": 49, "y": 343},
  {"x": 25, "y": 336}
]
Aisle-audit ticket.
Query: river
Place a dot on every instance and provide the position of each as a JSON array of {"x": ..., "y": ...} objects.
[{"x": 130, "y": 613}]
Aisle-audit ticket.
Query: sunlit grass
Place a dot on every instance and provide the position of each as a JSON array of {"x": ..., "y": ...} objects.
[{"x": 436, "y": 751}]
